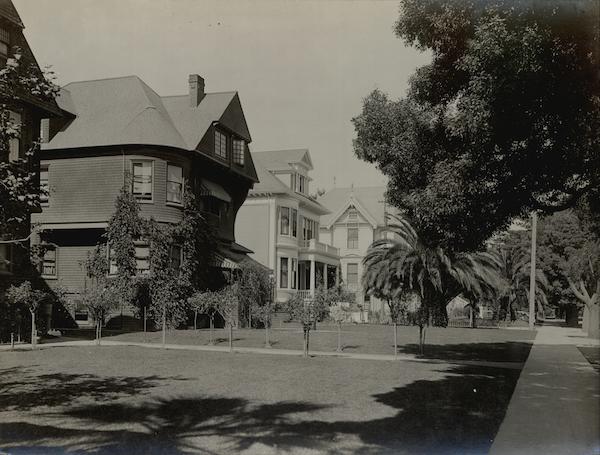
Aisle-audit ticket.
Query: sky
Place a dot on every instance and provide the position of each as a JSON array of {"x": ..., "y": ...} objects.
[{"x": 302, "y": 68}]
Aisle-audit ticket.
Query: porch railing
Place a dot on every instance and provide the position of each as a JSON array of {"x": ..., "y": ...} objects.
[
  {"x": 305, "y": 293},
  {"x": 314, "y": 245}
]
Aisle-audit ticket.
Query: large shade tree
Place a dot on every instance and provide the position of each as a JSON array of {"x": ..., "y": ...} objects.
[{"x": 508, "y": 106}]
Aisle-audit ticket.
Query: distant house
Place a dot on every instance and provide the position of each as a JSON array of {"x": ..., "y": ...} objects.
[
  {"x": 280, "y": 222},
  {"x": 28, "y": 112},
  {"x": 122, "y": 126},
  {"x": 357, "y": 218}
]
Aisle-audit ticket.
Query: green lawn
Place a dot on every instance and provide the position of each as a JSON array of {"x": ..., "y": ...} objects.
[{"x": 130, "y": 400}]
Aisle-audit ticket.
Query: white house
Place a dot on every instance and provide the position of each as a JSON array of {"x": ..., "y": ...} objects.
[
  {"x": 279, "y": 221},
  {"x": 357, "y": 218}
]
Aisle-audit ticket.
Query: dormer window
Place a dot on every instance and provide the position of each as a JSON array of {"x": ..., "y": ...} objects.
[
  {"x": 4, "y": 46},
  {"x": 298, "y": 183},
  {"x": 239, "y": 146},
  {"x": 220, "y": 145}
]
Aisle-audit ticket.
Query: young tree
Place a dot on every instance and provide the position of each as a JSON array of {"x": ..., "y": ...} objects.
[
  {"x": 228, "y": 305},
  {"x": 306, "y": 312},
  {"x": 24, "y": 295},
  {"x": 100, "y": 300},
  {"x": 508, "y": 106},
  {"x": 205, "y": 303},
  {"x": 338, "y": 315},
  {"x": 263, "y": 310}
]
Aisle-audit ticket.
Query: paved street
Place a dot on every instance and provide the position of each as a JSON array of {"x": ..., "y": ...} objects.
[{"x": 555, "y": 408}]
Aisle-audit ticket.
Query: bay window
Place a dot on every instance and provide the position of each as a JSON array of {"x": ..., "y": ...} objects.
[{"x": 294, "y": 223}]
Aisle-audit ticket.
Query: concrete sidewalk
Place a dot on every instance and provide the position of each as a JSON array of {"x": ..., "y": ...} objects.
[{"x": 555, "y": 408}]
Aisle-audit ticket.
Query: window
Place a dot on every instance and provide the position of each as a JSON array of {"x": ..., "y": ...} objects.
[
  {"x": 283, "y": 273},
  {"x": 44, "y": 185},
  {"x": 294, "y": 272},
  {"x": 352, "y": 242},
  {"x": 49, "y": 261},
  {"x": 142, "y": 180},
  {"x": 352, "y": 214},
  {"x": 284, "y": 222},
  {"x": 174, "y": 184},
  {"x": 176, "y": 256},
  {"x": 212, "y": 205},
  {"x": 294, "y": 223},
  {"x": 5, "y": 258},
  {"x": 220, "y": 145},
  {"x": 352, "y": 274},
  {"x": 293, "y": 181},
  {"x": 300, "y": 184},
  {"x": 142, "y": 258},
  {"x": 239, "y": 146},
  {"x": 4, "y": 46},
  {"x": 14, "y": 144},
  {"x": 308, "y": 229}
]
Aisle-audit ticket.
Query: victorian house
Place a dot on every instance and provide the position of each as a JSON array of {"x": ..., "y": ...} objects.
[
  {"x": 357, "y": 218},
  {"x": 121, "y": 127},
  {"x": 279, "y": 221}
]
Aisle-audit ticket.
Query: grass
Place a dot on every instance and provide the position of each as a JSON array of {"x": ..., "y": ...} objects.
[
  {"x": 130, "y": 400},
  {"x": 492, "y": 344}
]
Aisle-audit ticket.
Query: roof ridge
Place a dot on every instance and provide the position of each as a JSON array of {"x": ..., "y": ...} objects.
[{"x": 104, "y": 79}]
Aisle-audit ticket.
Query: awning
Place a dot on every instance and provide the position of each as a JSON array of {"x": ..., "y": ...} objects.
[
  {"x": 227, "y": 257},
  {"x": 208, "y": 188}
]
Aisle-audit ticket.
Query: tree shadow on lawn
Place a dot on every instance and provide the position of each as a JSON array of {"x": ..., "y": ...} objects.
[
  {"x": 459, "y": 413},
  {"x": 507, "y": 351},
  {"x": 22, "y": 388}
]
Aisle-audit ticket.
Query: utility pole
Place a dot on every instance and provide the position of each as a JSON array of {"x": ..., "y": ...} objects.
[{"x": 532, "y": 273}]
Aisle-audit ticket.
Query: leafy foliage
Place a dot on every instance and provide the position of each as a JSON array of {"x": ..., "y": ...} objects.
[
  {"x": 508, "y": 106},
  {"x": 255, "y": 291},
  {"x": 19, "y": 189},
  {"x": 404, "y": 264}
]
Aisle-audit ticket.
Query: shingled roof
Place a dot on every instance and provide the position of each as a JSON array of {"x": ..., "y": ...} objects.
[
  {"x": 126, "y": 111},
  {"x": 280, "y": 160},
  {"x": 8, "y": 11}
]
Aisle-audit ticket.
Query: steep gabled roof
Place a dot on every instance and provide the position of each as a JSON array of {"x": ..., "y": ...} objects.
[
  {"x": 270, "y": 184},
  {"x": 8, "y": 11},
  {"x": 281, "y": 160},
  {"x": 368, "y": 201},
  {"x": 126, "y": 111}
]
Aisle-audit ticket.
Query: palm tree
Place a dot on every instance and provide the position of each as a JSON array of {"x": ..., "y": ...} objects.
[
  {"x": 402, "y": 263},
  {"x": 515, "y": 269}
]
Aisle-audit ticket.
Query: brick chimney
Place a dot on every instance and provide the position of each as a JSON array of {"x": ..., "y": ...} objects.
[{"x": 196, "y": 89}]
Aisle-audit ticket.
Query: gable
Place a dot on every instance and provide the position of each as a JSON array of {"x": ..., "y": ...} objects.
[{"x": 234, "y": 119}]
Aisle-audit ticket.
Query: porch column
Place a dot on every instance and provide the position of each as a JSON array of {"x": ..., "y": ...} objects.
[
  {"x": 325, "y": 273},
  {"x": 313, "y": 271}
]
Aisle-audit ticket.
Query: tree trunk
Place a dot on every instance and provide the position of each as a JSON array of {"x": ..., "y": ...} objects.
[
  {"x": 339, "y": 348},
  {"x": 33, "y": 331},
  {"x": 100, "y": 331},
  {"x": 164, "y": 328},
  {"x": 12, "y": 341},
  {"x": 145, "y": 319},
  {"x": 471, "y": 317},
  {"x": 572, "y": 316},
  {"x": 230, "y": 337},
  {"x": 195, "y": 319},
  {"x": 306, "y": 342},
  {"x": 395, "y": 339},
  {"x": 267, "y": 341},
  {"x": 422, "y": 340},
  {"x": 210, "y": 332}
]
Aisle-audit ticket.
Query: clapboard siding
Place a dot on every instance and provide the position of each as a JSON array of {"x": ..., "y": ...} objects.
[
  {"x": 69, "y": 267},
  {"x": 84, "y": 189}
]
